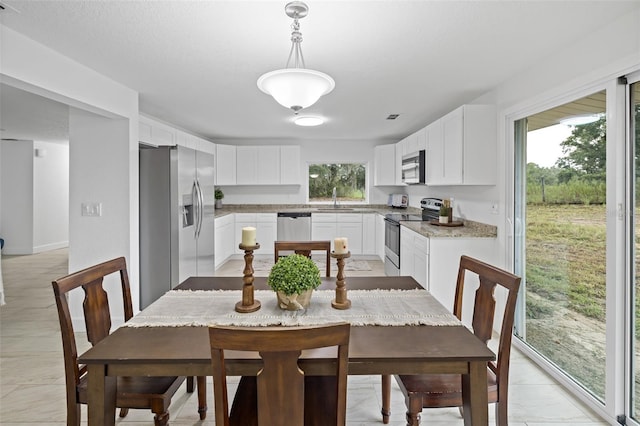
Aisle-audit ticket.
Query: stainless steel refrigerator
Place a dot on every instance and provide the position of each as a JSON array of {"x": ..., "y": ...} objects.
[{"x": 176, "y": 218}]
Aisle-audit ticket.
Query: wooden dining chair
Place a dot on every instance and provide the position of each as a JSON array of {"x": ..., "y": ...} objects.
[
  {"x": 280, "y": 384},
  {"x": 132, "y": 392},
  {"x": 445, "y": 390},
  {"x": 305, "y": 248}
]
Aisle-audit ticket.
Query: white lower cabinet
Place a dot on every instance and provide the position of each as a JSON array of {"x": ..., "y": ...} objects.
[
  {"x": 323, "y": 231},
  {"x": 224, "y": 228},
  {"x": 327, "y": 226},
  {"x": 444, "y": 259},
  {"x": 323, "y": 226},
  {"x": 266, "y": 230},
  {"x": 433, "y": 262},
  {"x": 380, "y": 236},
  {"x": 406, "y": 251},
  {"x": 353, "y": 232},
  {"x": 414, "y": 256},
  {"x": 369, "y": 234},
  {"x": 421, "y": 260}
]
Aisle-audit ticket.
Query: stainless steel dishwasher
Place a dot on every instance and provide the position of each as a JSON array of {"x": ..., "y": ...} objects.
[{"x": 293, "y": 226}]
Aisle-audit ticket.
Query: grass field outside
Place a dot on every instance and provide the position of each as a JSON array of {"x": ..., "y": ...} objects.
[{"x": 565, "y": 288}]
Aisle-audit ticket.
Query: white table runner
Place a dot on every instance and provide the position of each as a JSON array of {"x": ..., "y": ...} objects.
[{"x": 179, "y": 308}]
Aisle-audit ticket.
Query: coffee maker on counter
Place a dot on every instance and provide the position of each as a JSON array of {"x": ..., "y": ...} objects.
[{"x": 400, "y": 201}]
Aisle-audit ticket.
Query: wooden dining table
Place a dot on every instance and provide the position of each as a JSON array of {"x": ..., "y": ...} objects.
[{"x": 373, "y": 350}]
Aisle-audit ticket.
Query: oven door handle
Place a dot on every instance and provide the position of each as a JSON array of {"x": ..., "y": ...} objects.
[{"x": 393, "y": 222}]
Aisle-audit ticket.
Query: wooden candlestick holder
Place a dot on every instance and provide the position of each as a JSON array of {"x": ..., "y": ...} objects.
[
  {"x": 248, "y": 304},
  {"x": 341, "y": 301}
]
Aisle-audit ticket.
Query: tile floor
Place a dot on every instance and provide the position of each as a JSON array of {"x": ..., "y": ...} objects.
[{"x": 32, "y": 372}]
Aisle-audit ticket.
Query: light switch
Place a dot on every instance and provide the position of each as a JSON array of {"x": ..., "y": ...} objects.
[{"x": 91, "y": 209}]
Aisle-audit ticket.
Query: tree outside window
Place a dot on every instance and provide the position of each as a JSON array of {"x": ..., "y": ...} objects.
[{"x": 349, "y": 179}]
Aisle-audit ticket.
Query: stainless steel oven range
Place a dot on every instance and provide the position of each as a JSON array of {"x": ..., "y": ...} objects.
[{"x": 392, "y": 256}]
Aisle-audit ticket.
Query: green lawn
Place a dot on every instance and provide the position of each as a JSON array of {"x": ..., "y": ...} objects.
[
  {"x": 566, "y": 256},
  {"x": 565, "y": 288}
]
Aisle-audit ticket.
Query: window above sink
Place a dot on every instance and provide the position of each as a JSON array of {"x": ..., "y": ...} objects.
[{"x": 333, "y": 184}]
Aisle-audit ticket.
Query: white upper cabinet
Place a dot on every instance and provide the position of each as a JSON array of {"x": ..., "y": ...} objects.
[
  {"x": 385, "y": 165},
  {"x": 461, "y": 147},
  {"x": 225, "y": 164},
  {"x": 155, "y": 133},
  {"x": 246, "y": 165},
  {"x": 268, "y": 165},
  {"x": 435, "y": 153},
  {"x": 259, "y": 165},
  {"x": 414, "y": 142},
  {"x": 398, "y": 164},
  {"x": 290, "y": 165}
]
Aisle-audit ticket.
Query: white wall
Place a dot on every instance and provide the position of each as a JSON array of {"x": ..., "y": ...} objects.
[
  {"x": 35, "y": 196},
  {"x": 99, "y": 175},
  {"x": 50, "y": 196},
  {"x": 33, "y": 67},
  {"x": 17, "y": 200}
]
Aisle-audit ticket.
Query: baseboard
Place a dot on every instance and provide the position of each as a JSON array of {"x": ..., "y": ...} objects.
[
  {"x": 51, "y": 246},
  {"x": 19, "y": 251}
]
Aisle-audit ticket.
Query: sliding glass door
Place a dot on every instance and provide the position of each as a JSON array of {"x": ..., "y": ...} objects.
[{"x": 560, "y": 237}]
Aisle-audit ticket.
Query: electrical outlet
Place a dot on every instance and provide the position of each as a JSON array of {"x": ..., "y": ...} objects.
[
  {"x": 494, "y": 208},
  {"x": 91, "y": 209}
]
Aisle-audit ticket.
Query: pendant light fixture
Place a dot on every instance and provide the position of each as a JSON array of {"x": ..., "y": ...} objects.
[{"x": 296, "y": 87}]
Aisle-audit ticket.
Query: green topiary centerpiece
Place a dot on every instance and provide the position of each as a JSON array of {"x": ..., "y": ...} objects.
[{"x": 294, "y": 278}]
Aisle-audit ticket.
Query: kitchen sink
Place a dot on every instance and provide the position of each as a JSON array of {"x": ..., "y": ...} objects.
[{"x": 334, "y": 209}]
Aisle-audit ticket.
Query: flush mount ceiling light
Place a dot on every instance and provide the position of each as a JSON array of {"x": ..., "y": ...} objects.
[
  {"x": 578, "y": 120},
  {"x": 308, "y": 121},
  {"x": 295, "y": 86}
]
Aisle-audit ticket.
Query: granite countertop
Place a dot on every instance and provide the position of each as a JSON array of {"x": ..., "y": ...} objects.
[
  {"x": 287, "y": 208},
  {"x": 471, "y": 229}
]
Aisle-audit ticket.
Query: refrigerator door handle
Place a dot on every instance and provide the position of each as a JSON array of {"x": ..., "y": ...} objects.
[
  {"x": 200, "y": 207},
  {"x": 196, "y": 210}
]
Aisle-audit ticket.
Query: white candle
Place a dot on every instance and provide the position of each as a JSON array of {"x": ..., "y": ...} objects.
[
  {"x": 340, "y": 245},
  {"x": 249, "y": 236}
]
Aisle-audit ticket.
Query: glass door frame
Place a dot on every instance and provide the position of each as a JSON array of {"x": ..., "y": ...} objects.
[
  {"x": 630, "y": 267},
  {"x": 616, "y": 271}
]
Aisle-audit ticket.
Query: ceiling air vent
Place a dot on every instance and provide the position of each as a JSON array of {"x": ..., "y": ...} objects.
[{"x": 392, "y": 116}]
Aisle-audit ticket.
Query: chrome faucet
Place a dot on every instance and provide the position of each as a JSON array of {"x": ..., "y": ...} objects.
[{"x": 334, "y": 197}]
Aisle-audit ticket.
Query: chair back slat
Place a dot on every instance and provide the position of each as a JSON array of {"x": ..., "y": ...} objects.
[
  {"x": 280, "y": 382},
  {"x": 97, "y": 316},
  {"x": 482, "y": 322},
  {"x": 305, "y": 248},
  {"x": 490, "y": 278},
  {"x": 280, "y": 371}
]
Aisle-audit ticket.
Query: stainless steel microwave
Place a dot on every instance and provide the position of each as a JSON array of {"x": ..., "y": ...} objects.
[{"x": 414, "y": 168}]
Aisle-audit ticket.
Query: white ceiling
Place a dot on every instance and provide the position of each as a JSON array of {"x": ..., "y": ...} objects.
[{"x": 195, "y": 63}]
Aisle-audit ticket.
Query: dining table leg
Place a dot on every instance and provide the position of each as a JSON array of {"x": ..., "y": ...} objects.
[
  {"x": 474, "y": 394},
  {"x": 101, "y": 396}
]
